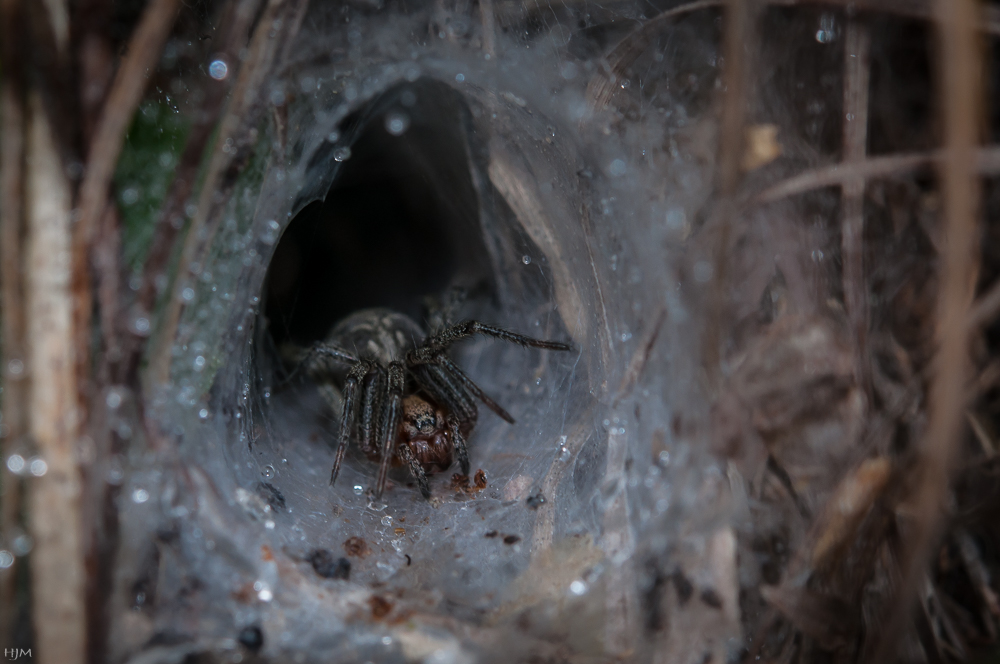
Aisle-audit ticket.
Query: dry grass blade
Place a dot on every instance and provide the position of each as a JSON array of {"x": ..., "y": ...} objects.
[
  {"x": 739, "y": 42},
  {"x": 857, "y": 52},
  {"x": 960, "y": 99},
  {"x": 129, "y": 85}
]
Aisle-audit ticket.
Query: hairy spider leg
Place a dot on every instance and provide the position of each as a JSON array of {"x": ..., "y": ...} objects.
[
  {"x": 394, "y": 410},
  {"x": 371, "y": 412},
  {"x": 325, "y": 350},
  {"x": 460, "y": 447},
  {"x": 440, "y": 342},
  {"x": 476, "y": 391},
  {"x": 357, "y": 374},
  {"x": 416, "y": 470},
  {"x": 446, "y": 392}
]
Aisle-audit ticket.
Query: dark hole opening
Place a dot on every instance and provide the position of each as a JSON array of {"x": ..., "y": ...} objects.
[{"x": 399, "y": 222}]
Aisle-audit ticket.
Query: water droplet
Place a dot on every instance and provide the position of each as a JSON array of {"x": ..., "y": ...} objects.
[
  {"x": 664, "y": 458},
  {"x": 268, "y": 472},
  {"x": 15, "y": 367},
  {"x": 459, "y": 77},
  {"x": 6, "y": 559},
  {"x": 38, "y": 467},
  {"x": 387, "y": 520},
  {"x": 264, "y": 593},
  {"x": 578, "y": 587},
  {"x": 203, "y": 413},
  {"x": 113, "y": 400},
  {"x": 626, "y": 83},
  {"x": 617, "y": 167},
  {"x": 342, "y": 154},
  {"x": 526, "y": 259},
  {"x": 387, "y": 640},
  {"x": 139, "y": 496},
  {"x": 397, "y": 123},
  {"x": 16, "y": 464},
  {"x": 23, "y": 545},
  {"x": 358, "y": 489},
  {"x": 563, "y": 453},
  {"x": 141, "y": 325},
  {"x": 199, "y": 363},
  {"x": 626, "y": 336},
  {"x": 333, "y": 136},
  {"x": 187, "y": 294},
  {"x": 218, "y": 69}
]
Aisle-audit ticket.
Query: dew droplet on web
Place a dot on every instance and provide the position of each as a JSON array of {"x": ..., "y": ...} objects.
[{"x": 267, "y": 472}]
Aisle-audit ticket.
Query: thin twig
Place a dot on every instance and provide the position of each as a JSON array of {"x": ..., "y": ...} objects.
[
  {"x": 57, "y": 559},
  {"x": 13, "y": 356},
  {"x": 856, "y": 76},
  {"x": 129, "y": 85},
  {"x": 960, "y": 100},
  {"x": 986, "y": 162}
]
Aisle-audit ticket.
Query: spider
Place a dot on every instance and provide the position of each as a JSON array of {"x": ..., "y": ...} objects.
[{"x": 405, "y": 402}]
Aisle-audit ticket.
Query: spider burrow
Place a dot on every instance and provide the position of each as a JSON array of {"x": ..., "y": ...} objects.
[{"x": 405, "y": 401}]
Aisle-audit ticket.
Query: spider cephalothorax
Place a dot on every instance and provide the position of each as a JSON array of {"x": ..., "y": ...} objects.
[{"x": 400, "y": 394}]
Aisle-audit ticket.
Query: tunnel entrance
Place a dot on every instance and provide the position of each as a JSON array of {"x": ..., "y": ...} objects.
[{"x": 399, "y": 222}]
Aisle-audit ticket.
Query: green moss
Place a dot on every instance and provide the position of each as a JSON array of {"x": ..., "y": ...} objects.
[{"x": 144, "y": 174}]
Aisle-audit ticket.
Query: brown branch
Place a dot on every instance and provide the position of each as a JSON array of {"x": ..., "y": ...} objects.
[
  {"x": 243, "y": 111},
  {"x": 57, "y": 559},
  {"x": 857, "y": 50},
  {"x": 961, "y": 104},
  {"x": 129, "y": 85}
]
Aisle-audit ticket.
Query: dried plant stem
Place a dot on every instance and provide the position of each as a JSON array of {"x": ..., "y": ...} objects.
[
  {"x": 57, "y": 560},
  {"x": 489, "y": 27},
  {"x": 986, "y": 161},
  {"x": 12, "y": 358},
  {"x": 129, "y": 85},
  {"x": 857, "y": 51},
  {"x": 739, "y": 43},
  {"x": 246, "y": 96},
  {"x": 960, "y": 100}
]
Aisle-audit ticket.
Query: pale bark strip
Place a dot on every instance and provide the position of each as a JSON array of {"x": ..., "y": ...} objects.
[
  {"x": 13, "y": 358},
  {"x": 857, "y": 50},
  {"x": 960, "y": 98},
  {"x": 57, "y": 559},
  {"x": 127, "y": 90}
]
